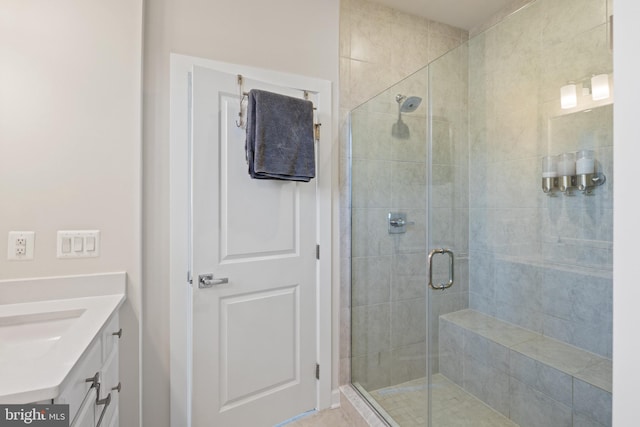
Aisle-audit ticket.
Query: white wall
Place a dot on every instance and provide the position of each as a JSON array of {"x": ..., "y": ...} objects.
[
  {"x": 626, "y": 225},
  {"x": 70, "y": 85},
  {"x": 294, "y": 36}
]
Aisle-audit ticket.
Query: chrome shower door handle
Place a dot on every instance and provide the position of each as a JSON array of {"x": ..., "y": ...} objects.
[
  {"x": 441, "y": 286},
  {"x": 207, "y": 280}
]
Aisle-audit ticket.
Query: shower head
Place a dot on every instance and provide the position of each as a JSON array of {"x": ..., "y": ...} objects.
[{"x": 410, "y": 104}]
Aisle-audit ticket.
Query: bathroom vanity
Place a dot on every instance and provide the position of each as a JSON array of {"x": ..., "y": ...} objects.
[{"x": 59, "y": 344}]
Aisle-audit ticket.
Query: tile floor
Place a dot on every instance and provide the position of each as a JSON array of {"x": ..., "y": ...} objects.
[
  {"x": 327, "y": 418},
  {"x": 451, "y": 406},
  {"x": 405, "y": 403}
]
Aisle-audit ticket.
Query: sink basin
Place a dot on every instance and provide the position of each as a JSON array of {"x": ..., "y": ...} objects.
[
  {"x": 32, "y": 336},
  {"x": 47, "y": 324}
]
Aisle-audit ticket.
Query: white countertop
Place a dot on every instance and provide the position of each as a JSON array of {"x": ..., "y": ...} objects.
[{"x": 35, "y": 377}]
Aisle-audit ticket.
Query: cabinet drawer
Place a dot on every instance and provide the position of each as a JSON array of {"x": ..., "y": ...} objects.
[
  {"x": 109, "y": 376},
  {"x": 109, "y": 384},
  {"x": 111, "y": 412},
  {"x": 76, "y": 387},
  {"x": 115, "y": 419},
  {"x": 85, "y": 413}
]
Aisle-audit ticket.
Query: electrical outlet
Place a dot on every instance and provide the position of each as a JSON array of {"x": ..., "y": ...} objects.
[{"x": 21, "y": 245}]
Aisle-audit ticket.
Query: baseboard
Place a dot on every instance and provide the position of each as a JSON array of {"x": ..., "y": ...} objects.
[{"x": 335, "y": 398}]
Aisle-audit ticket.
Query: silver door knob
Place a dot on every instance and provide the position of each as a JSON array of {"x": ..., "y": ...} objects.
[{"x": 207, "y": 280}]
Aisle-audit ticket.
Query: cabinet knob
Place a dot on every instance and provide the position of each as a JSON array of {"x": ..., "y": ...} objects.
[
  {"x": 94, "y": 380},
  {"x": 118, "y": 387},
  {"x": 119, "y": 333}
]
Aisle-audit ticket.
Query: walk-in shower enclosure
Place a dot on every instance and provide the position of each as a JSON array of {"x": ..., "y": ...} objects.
[{"x": 524, "y": 334}]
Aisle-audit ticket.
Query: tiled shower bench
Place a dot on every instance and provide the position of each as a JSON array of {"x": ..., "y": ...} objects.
[{"x": 531, "y": 379}]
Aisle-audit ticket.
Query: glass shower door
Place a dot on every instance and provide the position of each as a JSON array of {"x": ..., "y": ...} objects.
[
  {"x": 388, "y": 251},
  {"x": 447, "y": 233}
]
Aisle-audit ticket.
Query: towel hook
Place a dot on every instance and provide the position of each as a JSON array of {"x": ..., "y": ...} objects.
[{"x": 242, "y": 95}]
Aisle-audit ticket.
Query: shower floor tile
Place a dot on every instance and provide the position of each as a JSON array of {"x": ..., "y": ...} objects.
[{"x": 451, "y": 406}]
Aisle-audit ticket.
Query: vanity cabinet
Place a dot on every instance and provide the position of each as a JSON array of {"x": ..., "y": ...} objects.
[
  {"x": 85, "y": 417},
  {"x": 92, "y": 388}
]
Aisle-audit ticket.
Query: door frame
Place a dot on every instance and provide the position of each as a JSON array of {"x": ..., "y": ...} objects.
[{"x": 180, "y": 293}]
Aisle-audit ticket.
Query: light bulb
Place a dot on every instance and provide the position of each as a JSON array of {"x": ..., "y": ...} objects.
[
  {"x": 568, "y": 97},
  {"x": 600, "y": 87}
]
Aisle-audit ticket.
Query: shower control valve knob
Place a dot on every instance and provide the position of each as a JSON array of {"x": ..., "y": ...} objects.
[
  {"x": 400, "y": 222},
  {"x": 397, "y": 222}
]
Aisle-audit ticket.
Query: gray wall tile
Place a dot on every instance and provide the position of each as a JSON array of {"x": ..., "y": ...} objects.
[
  {"x": 487, "y": 383},
  {"x": 409, "y": 276},
  {"x": 486, "y": 352},
  {"x": 542, "y": 377},
  {"x": 369, "y": 233},
  {"x": 581, "y": 420},
  {"x": 442, "y": 302},
  {"x": 408, "y": 363},
  {"x": 408, "y": 322},
  {"x": 408, "y": 185},
  {"x": 371, "y": 183},
  {"x": 451, "y": 351},
  {"x": 530, "y": 408},
  {"x": 518, "y": 294},
  {"x": 482, "y": 303},
  {"x": 372, "y": 371},
  {"x": 592, "y": 401},
  {"x": 578, "y": 309},
  {"x": 371, "y": 280},
  {"x": 372, "y": 324}
]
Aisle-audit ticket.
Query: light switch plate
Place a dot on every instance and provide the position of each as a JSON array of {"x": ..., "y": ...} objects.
[
  {"x": 21, "y": 245},
  {"x": 78, "y": 243}
]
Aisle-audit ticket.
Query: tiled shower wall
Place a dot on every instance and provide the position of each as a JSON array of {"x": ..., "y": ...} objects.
[
  {"x": 541, "y": 262},
  {"x": 378, "y": 47},
  {"x": 388, "y": 270}
]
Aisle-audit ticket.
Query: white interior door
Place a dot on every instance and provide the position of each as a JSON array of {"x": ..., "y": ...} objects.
[{"x": 254, "y": 338}]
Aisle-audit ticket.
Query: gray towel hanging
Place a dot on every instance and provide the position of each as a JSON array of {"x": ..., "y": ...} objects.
[{"x": 280, "y": 142}]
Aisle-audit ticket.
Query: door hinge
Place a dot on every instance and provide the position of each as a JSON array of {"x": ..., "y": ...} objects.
[
  {"x": 316, "y": 131},
  {"x": 317, "y": 251},
  {"x": 317, "y": 371}
]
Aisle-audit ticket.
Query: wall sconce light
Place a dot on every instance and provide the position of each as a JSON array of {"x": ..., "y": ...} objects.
[
  {"x": 568, "y": 96},
  {"x": 600, "y": 87},
  {"x": 596, "y": 86}
]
